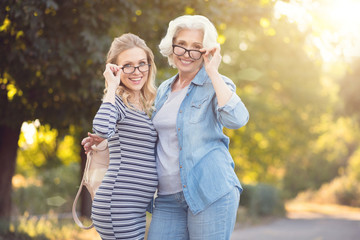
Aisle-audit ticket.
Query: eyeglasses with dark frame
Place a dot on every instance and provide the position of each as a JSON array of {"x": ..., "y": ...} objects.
[
  {"x": 180, "y": 51},
  {"x": 131, "y": 69}
]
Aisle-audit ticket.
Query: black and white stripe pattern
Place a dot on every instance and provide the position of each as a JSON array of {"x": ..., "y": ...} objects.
[{"x": 119, "y": 206}]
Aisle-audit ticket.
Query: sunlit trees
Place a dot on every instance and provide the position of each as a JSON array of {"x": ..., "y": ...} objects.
[
  {"x": 53, "y": 54},
  {"x": 52, "y": 57},
  {"x": 290, "y": 108},
  {"x": 349, "y": 91}
]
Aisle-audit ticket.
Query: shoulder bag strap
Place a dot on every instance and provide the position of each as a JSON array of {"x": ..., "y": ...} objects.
[{"x": 74, "y": 214}]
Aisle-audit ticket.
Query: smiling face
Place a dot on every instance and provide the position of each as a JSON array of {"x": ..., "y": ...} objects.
[
  {"x": 190, "y": 39},
  {"x": 136, "y": 80}
]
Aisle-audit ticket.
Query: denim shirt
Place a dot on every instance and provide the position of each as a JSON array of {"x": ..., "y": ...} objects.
[{"x": 206, "y": 166}]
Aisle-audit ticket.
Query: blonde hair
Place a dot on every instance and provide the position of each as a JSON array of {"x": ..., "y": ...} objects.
[
  {"x": 148, "y": 91},
  {"x": 188, "y": 22}
]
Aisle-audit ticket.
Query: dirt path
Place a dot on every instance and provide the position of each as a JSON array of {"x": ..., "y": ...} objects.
[{"x": 308, "y": 222}]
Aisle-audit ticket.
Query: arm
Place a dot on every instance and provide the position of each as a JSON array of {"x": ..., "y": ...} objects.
[
  {"x": 112, "y": 109},
  {"x": 212, "y": 60},
  {"x": 112, "y": 77},
  {"x": 233, "y": 114},
  {"x": 230, "y": 110}
]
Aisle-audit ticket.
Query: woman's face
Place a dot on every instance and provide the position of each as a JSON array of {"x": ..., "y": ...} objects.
[
  {"x": 133, "y": 57},
  {"x": 191, "y": 39}
]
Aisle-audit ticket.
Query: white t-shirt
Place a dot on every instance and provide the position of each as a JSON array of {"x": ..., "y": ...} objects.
[{"x": 167, "y": 156}]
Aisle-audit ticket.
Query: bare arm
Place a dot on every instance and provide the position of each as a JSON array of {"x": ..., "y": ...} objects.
[
  {"x": 212, "y": 60},
  {"x": 112, "y": 77}
]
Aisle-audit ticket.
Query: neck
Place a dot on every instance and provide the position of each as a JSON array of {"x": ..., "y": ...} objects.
[
  {"x": 185, "y": 78},
  {"x": 135, "y": 97}
]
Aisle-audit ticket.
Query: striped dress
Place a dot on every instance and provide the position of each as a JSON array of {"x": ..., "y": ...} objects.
[{"x": 119, "y": 206}]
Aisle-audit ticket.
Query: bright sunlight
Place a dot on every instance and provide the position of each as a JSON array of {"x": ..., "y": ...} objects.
[{"x": 334, "y": 24}]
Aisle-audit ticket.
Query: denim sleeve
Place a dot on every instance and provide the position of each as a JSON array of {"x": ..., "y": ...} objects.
[
  {"x": 104, "y": 123},
  {"x": 233, "y": 114}
]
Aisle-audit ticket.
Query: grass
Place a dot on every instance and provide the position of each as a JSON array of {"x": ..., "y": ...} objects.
[
  {"x": 54, "y": 228},
  {"x": 64, "y": 229}
]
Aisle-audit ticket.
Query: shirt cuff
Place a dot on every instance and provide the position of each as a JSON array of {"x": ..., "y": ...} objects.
[{"x": 231, "y": 103}]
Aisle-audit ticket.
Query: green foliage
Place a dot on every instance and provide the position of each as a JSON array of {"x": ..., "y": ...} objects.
[
  {"x": 53, "y": 54},
  {"x": 262, "y": 200},
  {"x": 51, "y": 226},
  {"x": 328, "y": 157},
  {"x": 349, "y": 90},
  {"x": 353, "y": 168},
  {"x": 293, "y": 139},
  {"x": 54, "y": 189},
  {"x": 343, "y": 190},
  {"x": 54, "y": 51},
  {"x": 20, "y": 236},
  {"x": 41, "y": 147},
  {"x": 346, "y": 191}
]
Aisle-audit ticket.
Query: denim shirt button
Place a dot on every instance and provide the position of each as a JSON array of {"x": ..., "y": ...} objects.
[{"x": 184, "y": 186}]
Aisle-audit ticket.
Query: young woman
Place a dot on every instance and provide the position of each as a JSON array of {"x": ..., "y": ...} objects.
[
  {"x": 119, "y": 206},
  {"x": 198, "y": 193}
]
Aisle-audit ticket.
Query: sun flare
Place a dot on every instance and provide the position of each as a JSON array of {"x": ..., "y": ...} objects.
[
  {"x": 334, "y": 25},
  {"x": 344, "y": 13}
]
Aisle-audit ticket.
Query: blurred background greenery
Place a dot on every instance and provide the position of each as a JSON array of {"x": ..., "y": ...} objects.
[{"x": 295, "y": 63}]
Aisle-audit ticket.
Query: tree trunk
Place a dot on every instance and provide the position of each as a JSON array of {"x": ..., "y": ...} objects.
[
  {"x": 86, "y": 202},
  {"x": 8, "y": 149}
]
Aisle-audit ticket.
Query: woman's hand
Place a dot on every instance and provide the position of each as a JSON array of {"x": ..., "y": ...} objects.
[
  {"x": 112, "y": 78},
  {"x": 112, "y": 75},
  {"x": 212, "y": 58},
  {"x": 91, "y": 140}
]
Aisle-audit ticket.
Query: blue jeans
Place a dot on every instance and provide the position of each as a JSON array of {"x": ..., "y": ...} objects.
[{"x": 172, "y": 218}]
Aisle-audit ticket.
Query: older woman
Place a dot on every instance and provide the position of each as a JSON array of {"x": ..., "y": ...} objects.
[{"x": 198, "y": 192}]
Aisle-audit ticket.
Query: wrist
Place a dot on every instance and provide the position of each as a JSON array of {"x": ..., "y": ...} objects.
[
  {"x": 111, "y": 88},
  {"x": 212, "y": 72}
]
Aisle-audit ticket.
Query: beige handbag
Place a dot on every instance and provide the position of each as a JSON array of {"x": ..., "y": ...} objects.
[{"x": 97, "y": 163}]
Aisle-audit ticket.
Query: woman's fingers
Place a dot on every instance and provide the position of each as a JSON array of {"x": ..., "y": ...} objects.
[
  {"x": 115, "y": 69},
  {"x": 95, "y": 139},
  {"x": 90, "y": 140},
  {"x": 212, "y": 50},
  {"x": 111, "y": 68},
  {"x": 107, "y": 72},
  {"x": 112, "y": 74},
  {"x": 83, "y": 141},
  {"x": 212, "y": 57}
]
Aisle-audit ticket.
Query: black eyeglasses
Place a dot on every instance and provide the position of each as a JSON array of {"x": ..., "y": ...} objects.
[
  {"x": 180, "y": 51},
  {"x": 131, "y": 69}
]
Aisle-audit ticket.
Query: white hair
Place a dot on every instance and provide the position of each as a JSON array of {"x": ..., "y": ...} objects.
[{"x": 188, "y": 22}]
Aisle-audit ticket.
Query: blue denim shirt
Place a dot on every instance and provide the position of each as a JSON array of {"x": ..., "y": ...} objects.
[{"x": 206, "y": 166}]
